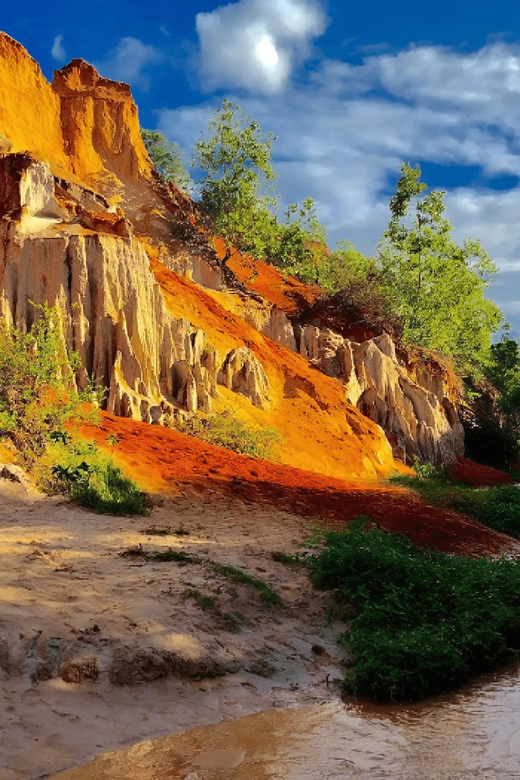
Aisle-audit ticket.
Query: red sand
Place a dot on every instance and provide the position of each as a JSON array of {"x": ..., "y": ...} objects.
[
  {"x": 162, "y": 460},
  {"x": 467, "y": 471},
  {"x": 287, "y": 292}
]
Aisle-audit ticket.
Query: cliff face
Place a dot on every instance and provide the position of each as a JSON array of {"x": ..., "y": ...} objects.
[
  {"x": 414, "y": 399},
  {"x": 153, "y": 313},
  {"x": 82, "y": 124},
  {"x": 100, "y": 127}
]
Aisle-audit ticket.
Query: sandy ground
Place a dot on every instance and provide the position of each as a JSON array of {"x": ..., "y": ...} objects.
[{"x": 100, "y": 650}]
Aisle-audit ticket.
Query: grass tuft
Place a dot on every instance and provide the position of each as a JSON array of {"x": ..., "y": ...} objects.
[
  {"x": 204, "y": 602},
  {"x": 290, "y": 559},
  {"x": 267, "y": 594},
  {"x": 179, "y": 556}
]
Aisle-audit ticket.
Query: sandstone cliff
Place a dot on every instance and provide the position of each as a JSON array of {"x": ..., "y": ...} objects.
[{"x": 152, "y": 312}]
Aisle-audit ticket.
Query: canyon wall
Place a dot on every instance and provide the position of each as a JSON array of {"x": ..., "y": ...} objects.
[
  {"x": 158, "y": 319},
  {"x": 159, "y": 343}
]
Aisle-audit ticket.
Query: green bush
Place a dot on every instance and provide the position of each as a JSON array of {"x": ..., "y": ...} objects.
[
  {"x": 38, "y": 397},
  {"x": 37, "y": 390},
  {"x": 87, "y": 475},
  {"x": 225, "y": 430},
  {"x": 424, "y": 622}
]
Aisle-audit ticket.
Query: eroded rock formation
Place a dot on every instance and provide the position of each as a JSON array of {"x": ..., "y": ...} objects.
[
  {"x": 416, "y": 409},
  {"x": 152, "y": 312}
]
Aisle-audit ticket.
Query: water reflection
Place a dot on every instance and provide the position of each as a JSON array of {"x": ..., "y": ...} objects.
[{"x": 471, "y": 734}]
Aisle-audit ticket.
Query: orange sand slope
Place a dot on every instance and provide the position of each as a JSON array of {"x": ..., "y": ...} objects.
[
  {"x": 162, "y": 460},
  {"x": 287, "y": 292},
  {"x": 321, "y": 430}
]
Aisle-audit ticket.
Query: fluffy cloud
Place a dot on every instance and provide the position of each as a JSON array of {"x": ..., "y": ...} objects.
[
  {"x": 254, "y": 43},
  {"x": 58, "y": 52},
  {"x": 128, "y": 62},
  {"x": 343, "y": 134}
]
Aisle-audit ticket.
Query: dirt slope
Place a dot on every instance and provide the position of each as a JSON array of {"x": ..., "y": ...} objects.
[{"x": 163, "y": 461}]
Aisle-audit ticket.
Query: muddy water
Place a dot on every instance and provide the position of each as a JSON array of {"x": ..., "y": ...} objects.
[{"x": 473, "y": 734}]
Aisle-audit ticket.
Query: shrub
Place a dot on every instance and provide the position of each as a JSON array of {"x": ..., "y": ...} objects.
[
  {"x": 88, "y": 475},
  {"x": 423, "y": 621},
  {"x": 37, "y": 389},
  {"x": 38, "y": 396},
  {"x": 225, "y": 430}
]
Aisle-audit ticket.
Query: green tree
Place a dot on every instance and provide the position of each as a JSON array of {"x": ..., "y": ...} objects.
[
  {"x": 236, "y": 188},
  {"x": 301, "y": 242},
  {"x": 436, "y": 285},
  {"x": 504, "y": 368},
  {"x": 167, "y": 158},
  {"x": 344, "y": 267},
  {"x": 238, "y": 198}
]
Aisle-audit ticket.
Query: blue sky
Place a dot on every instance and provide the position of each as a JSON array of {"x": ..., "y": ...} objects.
[{"x": 351, "y": 91}]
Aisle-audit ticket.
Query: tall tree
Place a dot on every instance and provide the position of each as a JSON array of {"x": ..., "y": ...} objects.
[{"x": 436, "y": 285}]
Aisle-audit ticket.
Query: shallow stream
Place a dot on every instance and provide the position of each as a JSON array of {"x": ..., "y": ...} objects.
[{"x": 471, "y": 734}]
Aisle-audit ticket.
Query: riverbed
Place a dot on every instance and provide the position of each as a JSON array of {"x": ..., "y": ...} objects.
[{"x": 472, "y": 734}]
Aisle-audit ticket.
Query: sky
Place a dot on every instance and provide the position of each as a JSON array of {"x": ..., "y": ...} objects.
[{"x": 351, "y": 90}]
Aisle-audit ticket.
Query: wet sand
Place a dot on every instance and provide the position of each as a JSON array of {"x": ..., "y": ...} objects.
[
  {"x": 472, "y": 734},
  {"x": 99, "y": 650}
]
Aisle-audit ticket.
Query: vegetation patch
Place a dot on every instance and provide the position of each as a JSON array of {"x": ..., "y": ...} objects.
[
  {"x": 178, "y": 556},
  {"x": 290, "y": 559},
  {"x": 164, "y": 556},
  {"x": 87, "y": 475},
  {"x": 497, "y": 507},
  {"x": 134, "y": 552},
  {"x": 38, "y": 398},
  {"x": 267, "y": 594},
  {"x": 420, "y": 622},
  {"x": 154, "y": 530},
  {"x": 203, "y": 601},
  {"x": 225, "y": 430}
]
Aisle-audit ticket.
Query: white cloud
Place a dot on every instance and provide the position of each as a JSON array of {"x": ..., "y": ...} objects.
[
  {"x": 57, "y": 51},
  {"x": 128, "y": 62},
  {"x": 254, "y": 44},
  {"x": 343, "y": 134},
  {"x": 492, "y": 216}
]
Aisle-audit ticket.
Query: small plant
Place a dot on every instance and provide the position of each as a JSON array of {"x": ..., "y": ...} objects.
[
  {"x": 134, "y": 552},
  {"x": 428, "y": 470},
  {"x": 204, "y": 602},
  {"x": 267, "y": 594},
  {"x": 153, "y": 530},
  {"x": 179, "y": 556},
  {"x": 233, "y": 621},
  {"x": 289, "y": 559}
]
